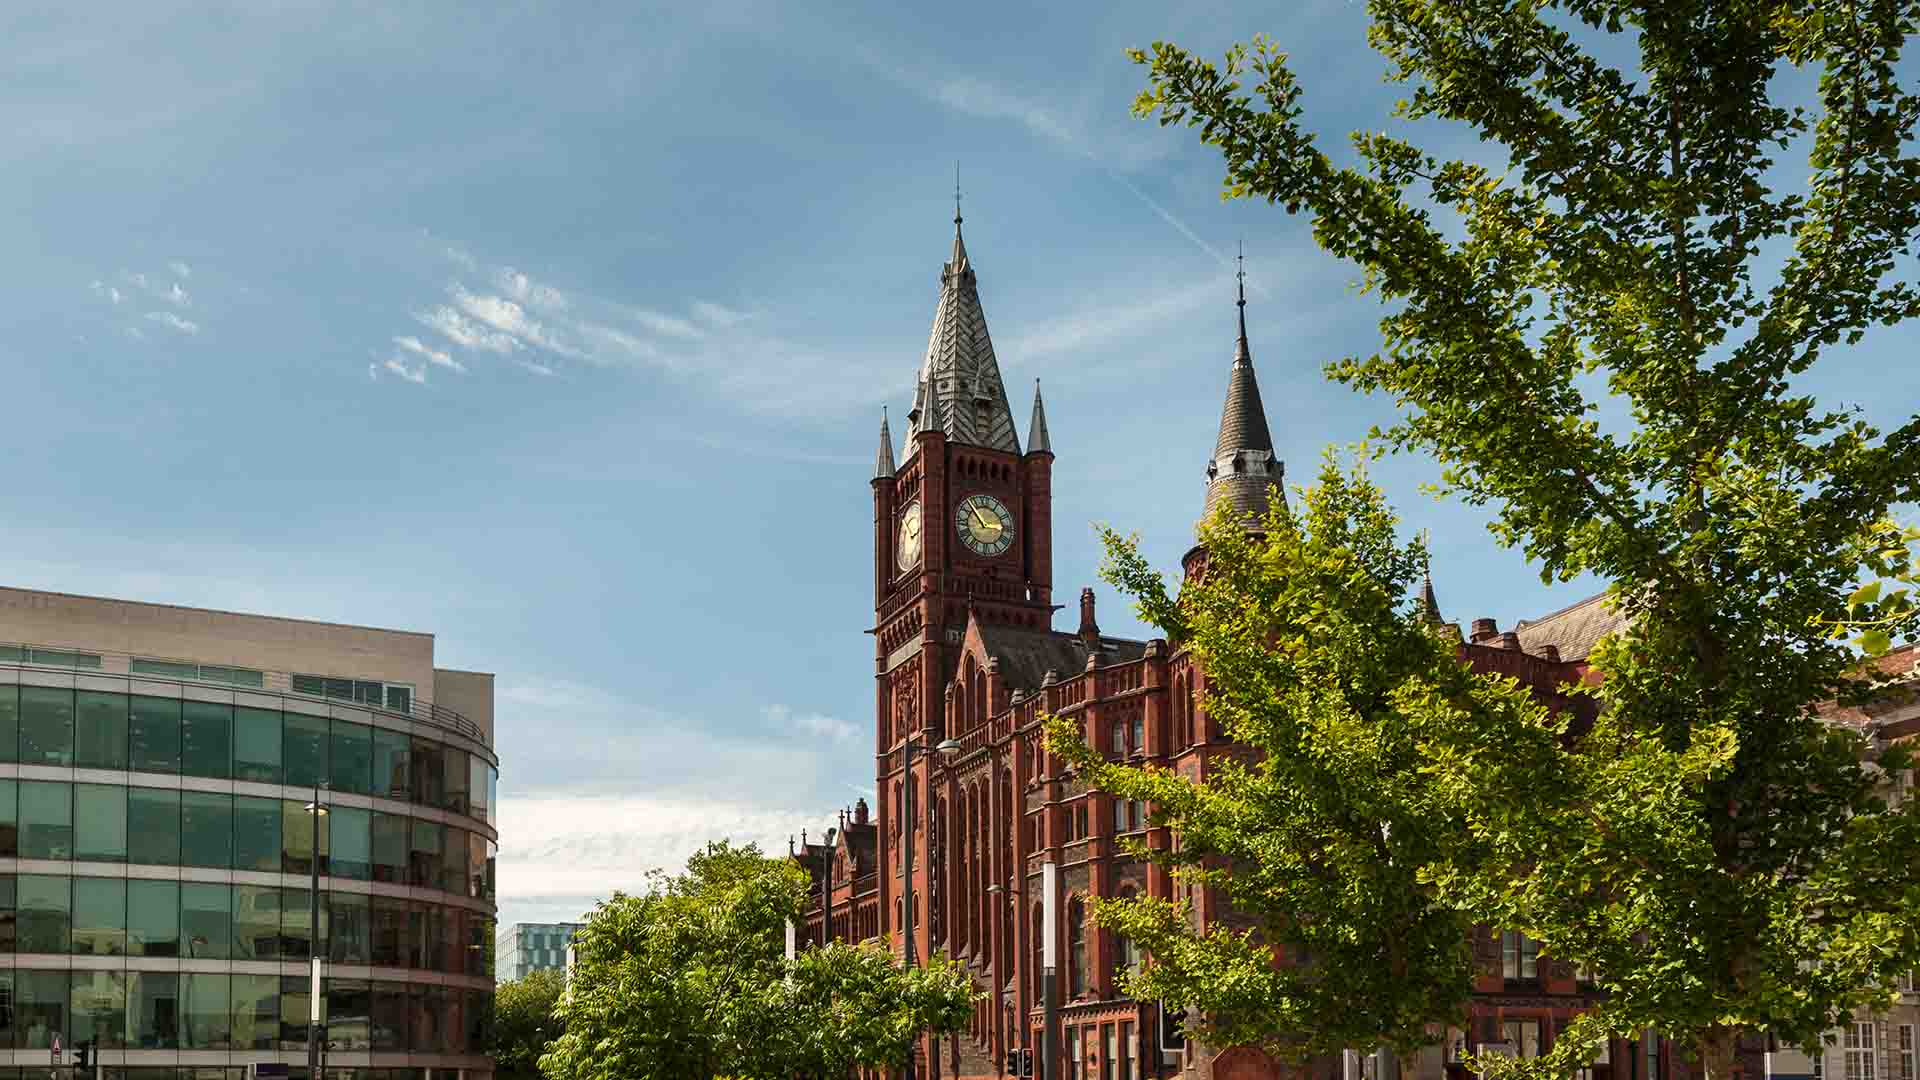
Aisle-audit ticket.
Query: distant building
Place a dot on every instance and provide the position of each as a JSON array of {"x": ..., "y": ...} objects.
[
  {"x": 157, "y": 766},
  {"x": 527, "y": 946}
]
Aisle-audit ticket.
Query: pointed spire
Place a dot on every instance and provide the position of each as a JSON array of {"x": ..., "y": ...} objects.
[
  {"x": 1037, "y": 440},
  {"x": 1429, "y": 603},
  {"x": 883, "y": 462},
  {"x": 959, "y": 392},
  {"x": 1243, "y": 465}
]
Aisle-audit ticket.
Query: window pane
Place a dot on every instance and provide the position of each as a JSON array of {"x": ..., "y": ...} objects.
[
  {"x": 39, "y": 1006},
  {"x": 309, "y": 684},
  {"x": 9, "y": 818},
  {"x": 208, "y": 1025},
  {"x": 352, "y": 760},
  {"x": 9, "y": 919},
  {"x": 476, "y": 865},
  {"x": 453, "y": 873},
  {"x": 100, "y": 734},
  {"x": 64, "y": 658},
  {"x": 296, "y": 924},
  {"x": 46, "y": 820},
  {"x": 429, "y": 772},
  {"x": 389, "y": 1016},
  {"x": 350, "y": 842},
  {"x": 256, "y": 833},
  {"x": 153, "y": 918},
  {"x": 153, "y": 826},
  {"x": 172, "y": 669},
  {"x": 206, "y": 920},
  {"x": 206, "y": 738},
  {"x": 400, "y": 698},
  {"x": 294, "y": 1001},
  {"x": 206, "y": 829},
  {"x": 9, "y": 1034},
  {"x": 256, "y": 922},
  {"x": 46, "y": 726},
  {"x": 99, "y": 823},
  {"x": 424, "y": 863},
  {"x": 99, "y": 1006},
  {"x": 389, "y": 931},
  {"x": 477, "y": 795},
  {"x": 298, "y": 829},
  {"x": 9, "y": 723},
  {"x": 389, "y": 848},
  {"x": 456, "y": 770},
  {"x": 45, "y": 912},
  {"x": 233, "y": 676},
  {"x": 390, "y": 769},
  {"x": 256, "y": 744},
  {"x": 154, "y": 734},
  {"x": 256, "y": 1012},
  {"x": 153, "y": 1009},
  {"x": 348, "y": 930},
  {"x": 305, "y": 749},
  {"x": 349, "y": 1014},
  {"x": 479, "y": 944},
  {"x": 99, "y": 916}
]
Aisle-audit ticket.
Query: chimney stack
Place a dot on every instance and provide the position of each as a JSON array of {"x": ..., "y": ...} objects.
[{"x": 1484, "y": 630}]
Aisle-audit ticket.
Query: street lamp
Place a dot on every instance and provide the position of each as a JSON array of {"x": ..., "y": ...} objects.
[
  {"x": 947, "y": 749},
  {"x": 314, "y": 1031}
]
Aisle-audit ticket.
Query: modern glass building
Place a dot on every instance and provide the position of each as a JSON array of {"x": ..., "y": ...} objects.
[
  {"x": 527, "y": 946},
  {"x": 157, "y": 847}
]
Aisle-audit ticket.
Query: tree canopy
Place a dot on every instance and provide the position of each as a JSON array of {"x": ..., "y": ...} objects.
[
  {"x": 523, "y": 1020},
  {"x": 690, "y": 981},
  {"x": 1709, "y": 849}
]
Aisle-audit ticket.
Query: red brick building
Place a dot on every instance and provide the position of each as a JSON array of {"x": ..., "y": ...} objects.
[{"x": 965, "y": 648}]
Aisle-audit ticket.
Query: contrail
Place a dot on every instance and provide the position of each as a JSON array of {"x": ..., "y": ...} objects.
[{"x": 1166, "y": 216}]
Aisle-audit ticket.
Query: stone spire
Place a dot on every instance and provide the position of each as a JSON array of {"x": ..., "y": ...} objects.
[
  {"x": 1037, "y": 440},
  {"x": 1429, "y": 604},
  {"x": 883, "y": 462},
  {"x": 1243, "y": 464},
  {"x": 959, "y": 392}
]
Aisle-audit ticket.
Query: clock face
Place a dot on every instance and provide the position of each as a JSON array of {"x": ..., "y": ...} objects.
[
  {"x": 907, "y": 551},
  {"x": 985, "y": 525}
]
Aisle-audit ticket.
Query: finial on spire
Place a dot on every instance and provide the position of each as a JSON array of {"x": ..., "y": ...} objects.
[
  {"x": 956, "y": 193},
  {"x": 1242, "y": 275},
  {"x": 1241, "y": 353}
]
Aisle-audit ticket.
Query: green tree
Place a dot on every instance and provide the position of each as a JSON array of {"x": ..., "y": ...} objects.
[
  {"x": 1710, "y": 849},
  {"x": 690, "y": 981},
  {"x": 1320, "y": 660},
  {"x": 846, "y": 1007},
  {"x": 524, "y": 1021},
  {"x": 666, "y": 984}
]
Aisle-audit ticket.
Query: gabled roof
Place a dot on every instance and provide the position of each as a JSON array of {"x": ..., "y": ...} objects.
[
  {"x": 1027, "y": 655},
  {"x": 959, "y": 391},
  {"x": 1573, "y": 630}
]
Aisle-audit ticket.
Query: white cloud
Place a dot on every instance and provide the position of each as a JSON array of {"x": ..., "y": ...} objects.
[
  {"x": 530, "y": 292},
  {"x": 174, "y": 322},
  {"x": 101, "y": 288},
  {"x": 508, "y": 317},
  {"x": 717, "y": 315},
  {"x": 428, "y": 353},
  {"x": 831, "y": 727},
  {"x": 177, "y": 296},
  {"x": 464, "y": 332},
  {"x": 180, "y": 269},
  {"x": 416, "y": 375}
]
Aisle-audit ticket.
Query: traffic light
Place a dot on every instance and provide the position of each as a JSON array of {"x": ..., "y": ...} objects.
[{"x": 1026, "y": 1061}]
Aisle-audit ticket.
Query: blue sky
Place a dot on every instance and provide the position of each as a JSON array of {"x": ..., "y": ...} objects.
[{"x": 562, "y": 330}]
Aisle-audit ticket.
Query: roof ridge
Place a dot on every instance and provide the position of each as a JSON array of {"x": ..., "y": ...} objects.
[{"x": 1601, "y": 595}]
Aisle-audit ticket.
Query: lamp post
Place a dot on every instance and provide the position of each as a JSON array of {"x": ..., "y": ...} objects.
[
  {"x": 315, "y": 1033},
  {"x": 1050, "y": 991},
  {"x": 947, "y": 748}
]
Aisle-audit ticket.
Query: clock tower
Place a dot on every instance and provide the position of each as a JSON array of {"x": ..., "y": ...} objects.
[{"x": 962, "y": 530}]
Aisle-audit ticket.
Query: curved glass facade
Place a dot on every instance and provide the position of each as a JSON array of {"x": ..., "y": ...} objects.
[{"x": 155, "y": 899}]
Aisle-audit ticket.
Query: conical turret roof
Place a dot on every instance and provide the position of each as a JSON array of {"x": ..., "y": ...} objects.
[
  {"x": 883, "y": 461},
  {"x": 959, "y": 392},
  {"x": 1243, "y": 465},
  {"x": 1038, "y": 442}
]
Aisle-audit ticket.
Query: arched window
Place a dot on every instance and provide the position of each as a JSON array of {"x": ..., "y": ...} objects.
[
  {"x": 1137, "y": 729},
  {"x": 1076, "y": 948},
  {"x": 980, "y": 709},
  {"x": 1118, "y": 735}
]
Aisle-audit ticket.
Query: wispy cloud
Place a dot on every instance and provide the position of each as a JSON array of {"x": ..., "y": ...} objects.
[
  {"x": 428, "y": 353},
  {"x": 785, "y": 720},
  {"x": 177, "y": 296},
  {"x": 545, "y": 330},
  {"x": 174, "y": 322},
  {"x": 101, "y": 288},
  {"x": 416, "y": 375}
]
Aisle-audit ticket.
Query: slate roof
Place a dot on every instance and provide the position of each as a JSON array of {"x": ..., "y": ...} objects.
[
  {"x": 1027, "y": 655},
  {"x": 883, "y": 461},
  {"x": 1243, "y": 465},
  {"x": 1037, "y": 440},
  {"x": 959, "y": 391},
  {"x": 1573, "y": 629},
  {"x": 1429, "y": 603}
]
